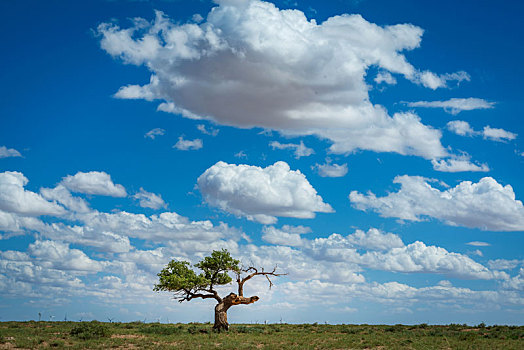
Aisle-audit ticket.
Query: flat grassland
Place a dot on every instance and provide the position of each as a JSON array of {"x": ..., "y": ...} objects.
[{"x": 138, "y": 335}]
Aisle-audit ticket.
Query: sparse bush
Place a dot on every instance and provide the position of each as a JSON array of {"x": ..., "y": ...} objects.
[
  {"x": 90, "y": 330},
  {"x": 161, "y": 329},
  {"x": 247, "y": 329}
]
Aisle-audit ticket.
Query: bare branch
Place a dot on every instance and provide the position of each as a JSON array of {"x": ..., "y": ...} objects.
[{"x": 253, "y": 274}]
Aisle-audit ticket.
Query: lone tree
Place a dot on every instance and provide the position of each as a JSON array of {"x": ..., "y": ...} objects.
[{"x": 179, "y": 278}]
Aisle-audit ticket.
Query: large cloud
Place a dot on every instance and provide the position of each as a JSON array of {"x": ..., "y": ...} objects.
[
  {"x": 253, "y": 65},
  {"x": 261, "y": 194},
  {"x": 15, "y": 199},
  {"x": 486, "y": 205}
]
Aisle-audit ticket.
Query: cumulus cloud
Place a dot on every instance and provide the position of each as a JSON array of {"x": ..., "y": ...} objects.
[
  {"x": 457, "y": 164},
  {"x": 62, "y": 195},
  {"x": 149, "y": 200},
  {"x": 57, "y": 255},
  {"x": 380, "y": 251},
  {"x": 486, "y": 205},
  {"x": 463, "y": 128},
  {"x": 499, "y": 135},
  {"x": 287, "y": 235},
  {"x": 455, "y": 105},
  {"x": 14, "y": 198},
  {"x": 504, "y": 264},
  {"x": 8, "y": 152},
  {"x": 188, "y": 145},
  {"x": 331, "y": 170},
  {"x": 93, "y": 182},
  {"x": 300, "y": 150},
  {"x": 152, "y": 134},
  {"x": 261, "y": 194},
  {"x": 255, "y": 65}
]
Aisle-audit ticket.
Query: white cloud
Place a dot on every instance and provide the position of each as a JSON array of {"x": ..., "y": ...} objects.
[
  {"x": 188, "y": 145},
  {"x": 300, "y": 149},
  {"x": 458, "y": 164},
  {"x": 284, "y": 236},
  {"x": 15, "y": 199},
  {"x": 258, "y": 66},
  {"x": 499, "y": 135},
  {"x": 434, "y": 81},
  {"x": 149, "y": 200},
  {"x": 478, "y": 244},
  {"x": 62, "y": 195},
  {"x": 57, "y": 255},
  {"x": 99, "y": 238},
  {"x": 463, "y": 128},
  {"x": 385, "y": 77},
  {"x": 211, "y": 131},
  {"x": 504, "y": 264},
  {"x": 374, "y": 239},
  {"x": 93, "y": 182},
  {"x": 8, "y": 152},
  {"x": 331, "y": 170},
  {"x": 167, "y": 226},
  {"x": 154, "y": 133},
  {"x": 455, "y": 105},
  {"x": 417, "y": 257},
  {"x": 516, "y": 283},
  {"x": 261, "y": 194},
  {"x": 486, "y": 205}
]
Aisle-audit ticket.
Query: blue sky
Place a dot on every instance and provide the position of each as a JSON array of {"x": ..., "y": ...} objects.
[{"x": 371, "y": 149}]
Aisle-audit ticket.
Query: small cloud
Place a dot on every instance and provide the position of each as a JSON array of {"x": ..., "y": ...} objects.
[
  {"x": 149, "y": 200},
  {"x": 463, "y": 128},
  {"x": 212, "y": 132},
  {"x": 444, "y": 283},
  {"x": 8, "y": 152},
  {"x": 188, "y": 145},
  {"x": 331, "y": 170},
  {"x": 499, "y": 135},
  {"x": 241, "y": 154},
  {"x": 385, "y": 77},
  {"x": 300, "y": 150},
  {"x": 154, "y": 133},
  {"x": 479, "y": 244},
  {"x": 455, "y": 105},
  {"x": 197, "y": 17},
  {"x": 457, "y": 164},
  {"x": 477, "y": 252}
]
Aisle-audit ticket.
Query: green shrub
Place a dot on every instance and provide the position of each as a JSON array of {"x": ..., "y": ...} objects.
[
  {"x": 90, "y": 330},
  {"x": 248, "y": 329},
  {"x": 161, "y": 329}
]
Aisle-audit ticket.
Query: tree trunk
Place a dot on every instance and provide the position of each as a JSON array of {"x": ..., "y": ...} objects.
[
  {"x": 221, "y": 317},
  {"x": 222, "y": 307}
]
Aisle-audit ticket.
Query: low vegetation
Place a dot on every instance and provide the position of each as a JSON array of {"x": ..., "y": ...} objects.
[{"x": 139, "y": 335}]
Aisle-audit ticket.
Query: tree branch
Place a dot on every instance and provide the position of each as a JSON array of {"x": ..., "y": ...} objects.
[
  {"x": 189, "y": 295},
  {"x": 241, "y": 281}
]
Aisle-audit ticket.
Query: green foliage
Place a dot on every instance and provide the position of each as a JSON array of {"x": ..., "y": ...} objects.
[
  {"x": 90, "y": 330},
  {"x": 178, "y": 276}
]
